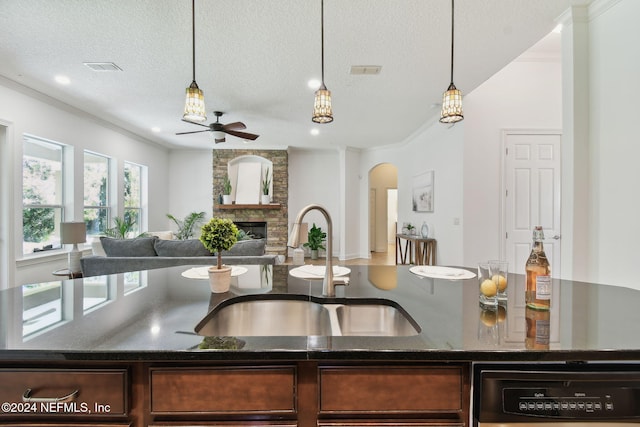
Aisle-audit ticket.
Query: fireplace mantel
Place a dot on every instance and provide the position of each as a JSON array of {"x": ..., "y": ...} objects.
[{"x": 242, "y": 206}]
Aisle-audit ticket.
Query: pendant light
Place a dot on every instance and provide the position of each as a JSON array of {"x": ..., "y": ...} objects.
[
  {"x": 194, "y": 109},
  {"x": 452, "y": 98},
  {"x": 322, "y": 112}
]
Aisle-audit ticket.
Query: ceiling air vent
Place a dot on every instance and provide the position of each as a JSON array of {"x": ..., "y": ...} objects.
[
  {"x": 102, "y": 66},
  {"x": 365, "y": 69}
]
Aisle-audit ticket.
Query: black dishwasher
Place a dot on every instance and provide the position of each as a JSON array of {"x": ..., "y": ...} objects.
[{"x": 562, "y": 394}]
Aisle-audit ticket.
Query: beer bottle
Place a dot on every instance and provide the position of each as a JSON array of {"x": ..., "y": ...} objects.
[{"x": 538, "y": 291}]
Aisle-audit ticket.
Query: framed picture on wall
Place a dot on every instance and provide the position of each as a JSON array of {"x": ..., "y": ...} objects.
[{"x": 422, "y": 192}]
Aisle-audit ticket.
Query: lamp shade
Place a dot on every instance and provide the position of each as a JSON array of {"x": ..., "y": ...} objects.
[
  {"x": 73, "y": 232},
  {"x": 322, "y": 112},
  {"x": 194, "y": 109},
  {"x": 304, "y": 233},
  {"x": 451, "y": 105}
]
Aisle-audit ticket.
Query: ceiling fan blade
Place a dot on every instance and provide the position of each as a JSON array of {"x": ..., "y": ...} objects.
[
  {"x": 194, "y": 123},
  {"x": 219, "y": 140},
  {"x": 243, "y": 135},
  {"x": 194, "y": 131},
  {"x": 234, "y": 126}
]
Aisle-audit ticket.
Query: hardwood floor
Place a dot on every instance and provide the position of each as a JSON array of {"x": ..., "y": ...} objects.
[{"x": 377, "y": 258}]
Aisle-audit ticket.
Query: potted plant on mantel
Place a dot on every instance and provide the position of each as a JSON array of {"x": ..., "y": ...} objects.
[
  {"x": 315, "y": 240},
  {"x": 219, "y": 235},
  {"x": 266, "y": 184},
  {"x": 226, "y": 190}
]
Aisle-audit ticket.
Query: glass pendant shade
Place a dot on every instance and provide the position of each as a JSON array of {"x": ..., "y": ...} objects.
[
  {"x": 194, "y": 109},
  {"x": 322, "y": 112},
  {"x": 451, "y": 105}
]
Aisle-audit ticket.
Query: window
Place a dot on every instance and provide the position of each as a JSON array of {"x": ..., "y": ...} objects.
[
  {"x": 133, "y": 196},
  {"x": 42, "y": 194},
  {"x": 96, "y": 193}
]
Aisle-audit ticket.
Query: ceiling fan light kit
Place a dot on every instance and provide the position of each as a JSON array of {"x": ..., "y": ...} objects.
[
  {"x": 218, "y": 130},
  {"x": 322, "y": 112},
  {"x": 452, "y": 98},
  {"x": 194, "y": 109}
]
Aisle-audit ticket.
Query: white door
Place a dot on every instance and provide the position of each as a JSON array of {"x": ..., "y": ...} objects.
[
  {"x": 531, "y": 195},
  {"x": 531, "y": 185}
]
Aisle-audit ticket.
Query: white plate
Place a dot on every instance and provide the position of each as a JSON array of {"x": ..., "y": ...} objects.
[
  {"x": 203, "y": 272},
  {"x": 317, "y": 271},
  {"x": 438, "y": 272}
]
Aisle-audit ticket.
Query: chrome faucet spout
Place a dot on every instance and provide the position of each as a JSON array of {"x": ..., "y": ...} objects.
[{"x": 328, "y": 284}]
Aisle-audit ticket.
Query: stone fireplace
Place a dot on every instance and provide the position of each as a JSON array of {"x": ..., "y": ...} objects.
[{"x": 275, "y": 216}]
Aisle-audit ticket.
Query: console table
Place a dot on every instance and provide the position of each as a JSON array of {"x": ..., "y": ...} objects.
[{"x": 425, "y": 249}]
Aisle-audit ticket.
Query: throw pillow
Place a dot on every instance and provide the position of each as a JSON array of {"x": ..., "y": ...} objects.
[
  {"x": 180, "y": 248},
  {"x": 253, "y": 247},
  {"x": 96, "y": 247},
  {"x": 138, "y": 247},
  {"x": 165, "y": 235}
]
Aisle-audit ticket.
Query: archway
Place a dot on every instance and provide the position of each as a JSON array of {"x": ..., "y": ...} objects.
[{"x": 383, "y": 206}]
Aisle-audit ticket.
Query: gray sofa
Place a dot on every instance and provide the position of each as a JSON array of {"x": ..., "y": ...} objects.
[{"x": 146, "y": 253}]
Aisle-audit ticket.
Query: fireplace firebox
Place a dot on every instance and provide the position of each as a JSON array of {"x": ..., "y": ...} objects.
[{"x": 256, "y": 229}]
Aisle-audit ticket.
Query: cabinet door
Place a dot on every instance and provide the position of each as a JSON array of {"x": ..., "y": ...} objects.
[
  {"x": 223, "y": 391},
  {"x": 391, "y": 390},
  {"x": 53, "y": 393}
]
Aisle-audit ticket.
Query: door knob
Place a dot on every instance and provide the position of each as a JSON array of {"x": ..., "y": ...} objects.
[{"x": 556, "y": 237}]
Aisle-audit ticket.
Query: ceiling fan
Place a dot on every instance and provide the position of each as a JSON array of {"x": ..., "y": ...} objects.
[{"x": 219, "y": 129}]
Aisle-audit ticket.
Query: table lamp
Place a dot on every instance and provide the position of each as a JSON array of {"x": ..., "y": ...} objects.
[
  {"x": 298, "y": 253},
  {"x": 73, "y": 233}
]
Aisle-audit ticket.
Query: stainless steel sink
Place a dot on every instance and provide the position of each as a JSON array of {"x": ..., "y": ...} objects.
[
  {"x": 373, "y": 320},
  {"x": 268, "y": 318},
  {"x": 295, "y": 317}
]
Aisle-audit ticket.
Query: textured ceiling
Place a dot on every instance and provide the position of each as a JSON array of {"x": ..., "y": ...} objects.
[{"x": 254, "y": 58}]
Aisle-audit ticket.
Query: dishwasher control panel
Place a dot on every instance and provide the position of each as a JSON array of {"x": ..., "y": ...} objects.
[
  {"x": 575, "y": 399},
  {"x": 547, "y": 393}
]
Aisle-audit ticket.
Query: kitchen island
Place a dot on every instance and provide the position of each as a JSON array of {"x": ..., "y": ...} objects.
[{"x": 134, "y": 333}]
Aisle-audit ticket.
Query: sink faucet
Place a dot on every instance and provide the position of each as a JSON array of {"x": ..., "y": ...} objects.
[{"x": 328, "y": 284}]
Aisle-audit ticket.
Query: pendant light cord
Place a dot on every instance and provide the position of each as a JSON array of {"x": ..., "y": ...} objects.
[
  {"x": 322, "y": 36},
  {"x": 193, "y": 37},
  {"x": 452, "y": 41}
]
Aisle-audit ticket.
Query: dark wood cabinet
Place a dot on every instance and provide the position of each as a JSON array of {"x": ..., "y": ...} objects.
[
  {"x": 400, "y": 394},
  {"x": 70, "y": 393},
  {"x": 267, "y": 391},
  {"x": 283, "y": 394}
]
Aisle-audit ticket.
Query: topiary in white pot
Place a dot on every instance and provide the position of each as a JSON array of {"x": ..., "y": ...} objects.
[{"x": 219, "y": 235}]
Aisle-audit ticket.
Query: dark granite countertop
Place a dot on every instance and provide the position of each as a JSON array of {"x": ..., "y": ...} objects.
[{"x": 152, "y": 315}]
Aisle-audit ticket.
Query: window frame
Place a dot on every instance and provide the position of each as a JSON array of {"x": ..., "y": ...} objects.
[
  {"x": 109, "y": 185},
  {"x": 66, "y": 153},
  {"x": 140, "y": 209}
]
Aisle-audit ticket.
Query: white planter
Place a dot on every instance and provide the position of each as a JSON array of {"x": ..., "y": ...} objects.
[
  {"x": 220, "y": 280},
  {"x": 265, "y": 199},
  {"x": 226, "y": 199}
]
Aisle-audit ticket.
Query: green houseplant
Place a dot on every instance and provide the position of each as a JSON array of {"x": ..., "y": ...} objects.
[
  {"x": 187, "y": 225},
  {"x": 226, "y": 189},
  {"x": 315, "y": 240},
  {"x": 266, "y": 184},
  {"x": 218, "y": 235},
  {"x": 122, "y": 227}
]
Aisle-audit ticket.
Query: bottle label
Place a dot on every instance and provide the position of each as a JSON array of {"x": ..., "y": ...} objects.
[
  {"x": 542, "y": 332},
  {"x": 543, "y": 288}
]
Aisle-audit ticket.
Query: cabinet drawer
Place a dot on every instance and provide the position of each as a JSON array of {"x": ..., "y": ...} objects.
[
  {"x": 224, "y": 390},
  {"x": 394, "y": 390},
  {"x": 56, "y": 392}
]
